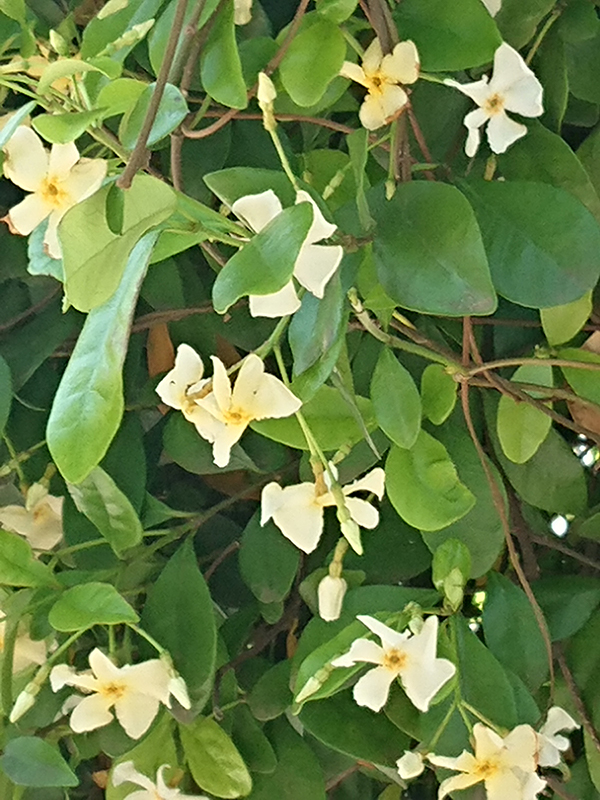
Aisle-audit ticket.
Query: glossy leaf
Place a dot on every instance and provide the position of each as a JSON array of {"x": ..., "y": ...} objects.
[
  {"x": 438, "y": 393},
  {"x": 268, "y": 561},
  {"x": 18, "y": 567},
  {"x": 32, "y": 761},
  {"x": 220, "y": 65},
  {"x": 64, "y": 128},
  {"x": 336, "y": 10},
  {"x": 172, "y": 110},
  {"x": 5, "y": 393},
  {"x": 521, "y": 427},
  {"x": 90, "y": 604},
  {"x": 562, "y": 323},
  {"x": 396, "y": 400},
  {"x": 584, "y": 382}
]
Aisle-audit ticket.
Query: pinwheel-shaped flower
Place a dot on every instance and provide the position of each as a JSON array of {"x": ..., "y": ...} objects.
[
  {"x": 512, "y": 87},
  {"x": 158, "y": 790},
  {"x": 550, "y": 743},
  {"x": 412, "y": 658},
  {"x": 134, "y": 691},
  {"x": 315, "y": 264},
  {"x": 39, "y": 520},
  {"x": 298, "y": 510},
  {"x": 505, "y": 765},
  {"x": 381, "y": 76},
  {"x": 57, "y": 180}
]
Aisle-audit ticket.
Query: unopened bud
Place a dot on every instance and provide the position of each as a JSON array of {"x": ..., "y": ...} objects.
[
  {"x": 24, "y": 701},
  {"x": 410, "y": 765},
  {"x": 266, "y": 97},
  {"x": 331, "y": 593},
  {"x": 242, "y": 11}
]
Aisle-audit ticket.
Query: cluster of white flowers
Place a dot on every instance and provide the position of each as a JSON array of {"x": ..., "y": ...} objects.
[
  {"x": 219, "y": 413},
  {"x": 39, "y": 520}
]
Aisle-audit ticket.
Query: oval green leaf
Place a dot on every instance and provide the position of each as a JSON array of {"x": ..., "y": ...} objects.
[
  {"x": 31, "y": 761},
  {"x": 172, "y": 110},
  {"x": 396, "y": 400},
  {"x": 268, "y": 561},
  {"x": 584, "y": 382},
  {"x": 90, "y": 604},
  {"x": 18, "y": 567},
  {"x": 220, "y": 66},
  {"x": 312, "y": 61},
  {"x": 438, "y": 393},
  {"x": 522, "y": 428}
]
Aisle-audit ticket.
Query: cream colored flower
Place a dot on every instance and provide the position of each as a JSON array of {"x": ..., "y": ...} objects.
[
  {"x": 57, "y": 180},
  {"x": 381, "y": 76},
  {"x": 135, "y": 692},
  {"x": 27, "y": 650},
  {"x": 493, "y": 6},
  {"x": 315, "y": 264},
  {"x": 412, "y": 658},
  {"x": 410, "y": 765},
  {"x": 512, "y": 87},
  {"x": 39, "y": 520},
  {"x": 127, "y": 773},
  {"x": 298, "y": 510},
  {"x": 242, "y": 11},
  {"x": 179, "y": 386},
  {"x": 330, "y": 593},
  {"x": 550, "y": 743},
  {"x": 505, "y": 765}
]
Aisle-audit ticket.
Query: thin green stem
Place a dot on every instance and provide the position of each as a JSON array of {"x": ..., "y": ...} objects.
[
  {"x": 518, "y": 362},
  {"x": 141, "y": 632},
  {"x": 541, "y": 35},
  {"x": 14, "y": 459},
  {"x": 284, "y": 159},
  {"x": 442, "y": 727}
]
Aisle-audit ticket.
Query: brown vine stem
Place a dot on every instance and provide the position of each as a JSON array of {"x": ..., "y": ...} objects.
[
  {"x": 470, "y": 344},
  {"x": 562, "y": 548},
  {"x": 320, "y": 121},
  {"x": 139, "y": 154},
  {"x": 519, "y": 362},
  {"x": 12, "y": 323},
  {"x": 223, "y": 556},
  {"x": 558, "y": 788},
  {"x": 577, "y": 700},
  {"x": 381, "y": 20}
]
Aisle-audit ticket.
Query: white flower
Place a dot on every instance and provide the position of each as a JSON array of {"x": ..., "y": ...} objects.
[
  {"x": 242, "y": 13},
  {"x": 412, "y": 658},
  {"x": 410, "y": 765},
  {"x": 178, "y": 387},
  {"x": 24, "y": 702},
  {"x": 493, "y": 6},
  {"x": 512, "y": 87},
  {"x": 298, "y": 510},
  {"x": 505, "y": 765},
  {"x": 330, "y": 593},
  {"x": 266, "y": 93},
  {"x": 135, "y": 691},
  {"x": 550, "y": 743},
  {"x": 127, "y": 773},
  {"x": 381, "y": 76},
  {"x": 315, "y": 264},
  {"x": 58, "y": 180},
  {"x": 27, "y": 650},
  {"x": 39, "y": 520}
]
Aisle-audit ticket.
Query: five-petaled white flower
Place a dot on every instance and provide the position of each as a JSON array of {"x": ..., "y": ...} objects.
[
  {"x": 222, "y": 414},
  {"x": 39, "y": 520},
  {"x": 315, "y": 264},
  {"x": 135, "y": 691},
  {"x": 298, "y": 510},
  {"x": 57, "y": 180},
  {"x": 512, "y": 87},
  {"x": 125, "y": 772},
  {"x": 412, "y": 658},
  {"x": 550, "y": 743},
  {"x": 505, "y": 765},
  {"x": 381, "y": 76}
]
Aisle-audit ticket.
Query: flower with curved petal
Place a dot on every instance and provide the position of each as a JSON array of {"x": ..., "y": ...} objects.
[
  {"x": 315, "y": 264},
  {"x": 505, "y": 765},
  {"x": 381, "y": 76},
  {"x": 412, "y": 658},
  {"x": 125, "y": 772},
  {"x": 512, "y": 87},
  {"x": 135, "y": 691},
  {"x": 57, "y": 180},
  {"x": 39, "y": 520},
  {"x": 228, "y": 412},
  {"x": 550, "y": 743},
  {"x": 410, "y": 765},
  {"x": 298, "y": 510}
]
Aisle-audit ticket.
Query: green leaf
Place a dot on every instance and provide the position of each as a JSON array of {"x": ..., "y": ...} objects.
[
  {"x": 172, "y": 110},
  {"x": 104, "y": 504},
  {"x": 88, "y": 405},
  {"x": 64, "y": 68},
  {"x": 30, "y": 761},
  {"x": 266, "y": 263},
  {"x": 562, "y": 323},
  {"x": 512, "y": 632},
  {"x": 449, "y": 37},
  {"x": 15, "y": 120},
  {"x": 271, "y": 694},
  {"x": 65, "y": 128},
  {"x": 220, "y": 66},
  {"x": 15, "y": 9},
  {"x": 429, "y": 253},
  {"x": 537, "y": 231},
  {"x": 423, "y": 485},
  {"x": 94, "y": 258},
  {"x": 102, "y": 33},
  {"x": 583, "y": 61},
  {"x": 521, "y": 427},
  {"x": 518, "y": 19},
  {"x": 438, "y": 393},
  {"x": 316, "y": 325},
  {"x": 336, "y": 10},
  {"x": 567, "y": 601},
  {"x": 119, "y": 96},
  {"x": 451, "y": 568},
  {"x": 396, "y": 400},
  {"x": 313, "y": 59},
  {"x": 90, "y": 604},
  {"x": 358, "y": 150},
  {"x": 231, "y": 184},
  {"x": 5, "y": 393},
  {"x": 18, "y": 567},
  {"x": 584, "y": 382},
  {"x": 329, "y": 417},
  {"x": 268, "y": 561},
  {"x": 179, "y": 614},
  {"x": 214, "y": 760},
  {"x": 254, "y": 747}
]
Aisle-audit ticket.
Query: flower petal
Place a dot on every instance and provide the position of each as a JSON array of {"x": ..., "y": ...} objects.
[
  {"x": 188, "y": 369},
  {"x": 102, "y": 667},
  {"x": 127, "y": 773},
  {"x": 277, "y": 304},
  {"x": 354, "y": 73},
  {"x": 487, "y": 742},
  {"x": 28, "y": 214},
  {"x": 509, "y": 69},
  {"x": 372, "y": 115},
  {"x": 62, "y": 159},
  {"x": 372, "y": 58},
  {"x": 295, "y": 512},
  {"x": 373, "y": 481},
  {"x": 150, "y": 677},
  {"x": 225, "y": 437},
  {"x": 315, "y": 265},
  {"x": 242, "y": 13},
  {"x": 362, "y": 512},
  {"x": 221, "y": 384},
  {"x": 410, "y": 765},
  {"x": 85, "y": 178},
  {"x": 387, "y": 635},
  {"x": 320, "y": 229},
  {"x": 257, "y": 210},
  {"x": 521, "y": 748},
  {"x": 91, "y": 713},
  {"x": 459, "y": 782},
  {"x": 135, "y": 711},
  {"x": 504, "y": 784},
  {"x": 402, "y": 64},
  {"x": 465, "y": 762},
  {"x": 26, "y": 162},
  {"x": 479, "y": 91},
  {"x": 422, "y": 682},
  {"x": 502, "y": 131},
  {"x": 557, "y": 720},
  {"x": 360, "y": 650},
  {"x": 273, "y": 400},
  {"x": 51, "y": 240},
  {"x": 373, "y": 689}
]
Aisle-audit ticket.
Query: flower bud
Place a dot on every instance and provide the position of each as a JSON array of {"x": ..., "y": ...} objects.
[
  {"x": 410, "y": 765},
  {"x": 24, "y": 701},
  {"x": 242, "y": 11},
  {"x": 331, "y": 593},
  {"x": 266, "y": 97}
]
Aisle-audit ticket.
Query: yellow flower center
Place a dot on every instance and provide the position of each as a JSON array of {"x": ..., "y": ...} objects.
[
  {"x": 394, "y": 660},
  {"x": 377, "y": 83},
  {"x": 236, "y": 416},
  {"x": 113, "y": 691},
  {"x": 486, "y": 769},
  {"x": 494, "y": 105},
  {"x": 53, "y": 194}
]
